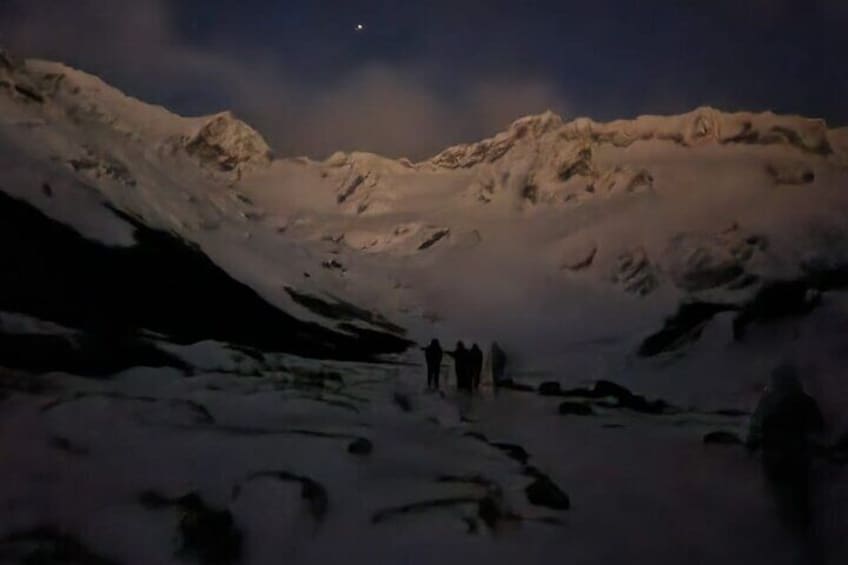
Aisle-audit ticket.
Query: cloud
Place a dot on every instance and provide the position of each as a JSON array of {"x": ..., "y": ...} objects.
[{"x": 411, "y": 110}]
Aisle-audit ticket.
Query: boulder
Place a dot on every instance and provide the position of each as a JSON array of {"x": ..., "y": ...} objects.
[
  {"x": 550, "y": 388},
  {"x": 575, "y": 409},
  {"x": 544, "y": 492},
  {"x": 722, "y": 437},
  {"x": 360, "y": 446}
]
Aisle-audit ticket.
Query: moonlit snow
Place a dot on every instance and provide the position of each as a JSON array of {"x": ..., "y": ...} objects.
[{"x": 682, "y": 257}]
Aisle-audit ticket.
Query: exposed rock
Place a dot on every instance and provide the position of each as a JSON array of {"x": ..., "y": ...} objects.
[
  {"x": 578, "y": 255},
  {"x": 97, "y": 279},
  {"x": 349, "y": 188},
  {"x": 228, "y": 144},
  {"x": 333, "y": 265},
  {"x": 102, "y": 164},
  {"x": 424, "y": 506},
  {"x": 512, "y": 450},
  {"x": 550, "y": 388},
  {"x": 621, "y": 180},
  {"x": 722, "y": 438},
  {"x": 634, "y": 271},
  {"x": 337, "y": 159},
  {"x": 544, "y": 492},
  {"x": 46, "y": 545},
  {"x": 697, "y": 261},
  {"x": 360, "y": 446},
  {"x": 335, "y": 308},
  {"x": 403, "y": 401},
  {"x": 6, "y": 60},
  {"x": 311, "y": 491},
  {"x": 622, "y": 396},
  {"x": 208, "y": 534},
  {"x": 436, "y": 237},
  {"x": 575, "y": 409},
  {"x": 575, "y": 164},
  {"x": 515, "y": 385},
  {"x": 83, "y": 354},
  {"x": 791, "y": 172},
  {"x": 825, "y": 263},
  {"x": 776, "y": 300},
  {"x": 68, "y": 446},
  {"x": 490, "y": 150},
  {"x": 683, "y": 328}
]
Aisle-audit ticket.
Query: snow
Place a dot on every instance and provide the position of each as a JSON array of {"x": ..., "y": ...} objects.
[{"x": 568, "y": 242}]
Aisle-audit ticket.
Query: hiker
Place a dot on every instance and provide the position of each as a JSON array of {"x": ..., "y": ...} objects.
[
  {"x": 781, "y": 427},
  {"x": 433, "y": 356},
  {"x": 462, "y": 363},
  {"x": 475, "y": 364},
  {"x": 497, "y": 360}
]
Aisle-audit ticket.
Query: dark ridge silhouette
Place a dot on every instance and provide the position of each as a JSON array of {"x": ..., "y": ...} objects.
[
  {"x": 85, "y": 355},
  {"x": 774, "y": 301},
  {"x": 683, "y": 328},
  {"x": 335, "y": 308},
  {"x": 162, "y": 283},
  {"x": 777, "y": 300}
]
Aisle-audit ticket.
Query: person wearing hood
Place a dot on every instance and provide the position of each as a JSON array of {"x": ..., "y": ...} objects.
[
  {"x": 433, "y": 357},
  {"x": 782, "y": 427},
  {"x": 475, "y": 362},
  {"x": 462, "y": 362}
]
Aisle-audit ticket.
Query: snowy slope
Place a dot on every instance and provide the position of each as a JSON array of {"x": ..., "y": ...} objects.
[
  {"x": 549, "y": 236},
  {"x": 681, "y": 256}
]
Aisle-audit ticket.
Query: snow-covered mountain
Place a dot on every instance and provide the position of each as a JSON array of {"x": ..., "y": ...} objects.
[
  {"x": 546, "y": 236},
  {"x": 682, "y": 256}
]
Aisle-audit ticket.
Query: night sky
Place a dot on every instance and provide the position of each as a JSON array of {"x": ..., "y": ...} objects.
[{"x": 422, "y": 75}]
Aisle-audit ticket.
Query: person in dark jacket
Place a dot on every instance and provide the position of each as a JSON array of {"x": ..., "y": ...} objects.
[
  {"x": 475, "y": 362},
  {"x": 782, "y": 426},
  {"x": 433, "y": 356},
  {"x": 497, "y": 359},
  {"x": 462, "y": 363}
]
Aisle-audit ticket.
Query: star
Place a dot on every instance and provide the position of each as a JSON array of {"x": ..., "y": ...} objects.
[{"x": 360, "y": 27}]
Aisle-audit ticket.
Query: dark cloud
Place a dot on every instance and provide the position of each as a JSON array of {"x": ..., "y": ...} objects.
[{"x": 395, "y": 110}]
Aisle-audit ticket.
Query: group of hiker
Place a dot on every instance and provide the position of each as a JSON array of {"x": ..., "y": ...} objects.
[
  {"x": 468, "y": 364},
  {"x": 782, "y": 427}
]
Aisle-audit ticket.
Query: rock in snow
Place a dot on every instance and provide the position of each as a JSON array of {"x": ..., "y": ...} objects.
[{"x": 228, "y": 144}]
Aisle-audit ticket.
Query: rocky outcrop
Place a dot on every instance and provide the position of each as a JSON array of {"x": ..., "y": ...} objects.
[
  {"x": 402, "y": 239},
  {"x": 702, "y": 261},
  {"x": 634, "y": 271},
  {"x": 490, "y": 150},
  {"x": 791, "y": 172},
  {"x": 98, "y": 164},
  {"x": 682, "y": 328},
  {"x": 707, "y": 125},
  {"x": 227, "y": 144},
  {"x": 702, "y": 126},
  {"x": 578, "y": 255},
  {"x": 358, "y": 180},
  {"x": 16, "y": 82}
]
